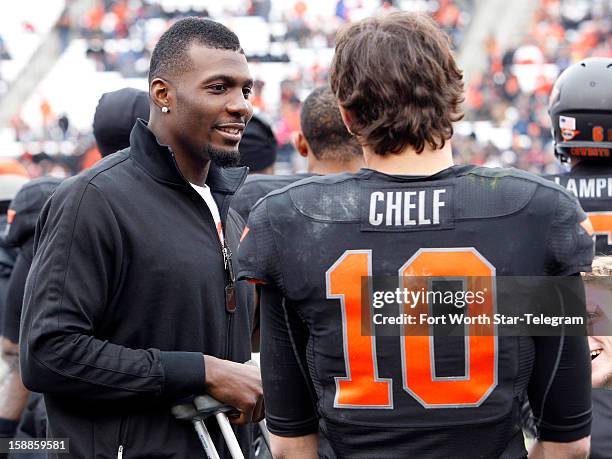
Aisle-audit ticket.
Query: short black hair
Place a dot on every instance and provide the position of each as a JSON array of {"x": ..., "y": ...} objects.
[
  {"x": 324, "y": 129},
  {"x": 170, "y": 55}
]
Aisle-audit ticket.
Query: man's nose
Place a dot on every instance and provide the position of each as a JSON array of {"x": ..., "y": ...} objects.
[{"x": 240, "y": 105}]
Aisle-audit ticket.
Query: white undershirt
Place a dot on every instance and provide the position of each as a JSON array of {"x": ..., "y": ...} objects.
[{"x": 204, "y": 191}]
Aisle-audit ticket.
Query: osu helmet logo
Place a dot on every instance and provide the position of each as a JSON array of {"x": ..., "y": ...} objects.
[{"x": 569, "y": 134}]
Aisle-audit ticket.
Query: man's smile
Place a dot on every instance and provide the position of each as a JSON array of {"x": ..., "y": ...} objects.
[{"x": 231, "y": 131}]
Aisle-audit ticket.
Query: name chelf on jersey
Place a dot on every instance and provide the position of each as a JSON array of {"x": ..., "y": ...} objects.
[{"x": 404, "y": 209}]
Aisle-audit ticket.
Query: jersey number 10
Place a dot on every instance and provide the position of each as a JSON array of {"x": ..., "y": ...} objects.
[{"x": 362, "y": 387}]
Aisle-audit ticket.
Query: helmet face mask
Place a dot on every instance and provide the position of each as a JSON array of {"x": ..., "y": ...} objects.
[{"x": 580, "y": 108}]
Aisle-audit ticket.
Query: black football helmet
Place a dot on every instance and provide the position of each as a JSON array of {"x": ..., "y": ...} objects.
[{"x": 580, "y": 109}]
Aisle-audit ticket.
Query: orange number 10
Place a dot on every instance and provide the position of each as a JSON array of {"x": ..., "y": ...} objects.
[{"x": 362, "y": 388}]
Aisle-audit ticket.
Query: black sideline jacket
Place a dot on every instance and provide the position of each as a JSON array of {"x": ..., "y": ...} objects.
[{"x": 125, "y": 294}]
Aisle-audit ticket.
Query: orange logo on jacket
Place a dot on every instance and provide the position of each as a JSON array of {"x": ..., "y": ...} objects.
[{"x": 244, "y": 233}]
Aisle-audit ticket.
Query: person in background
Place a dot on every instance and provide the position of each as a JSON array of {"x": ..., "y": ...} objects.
[
  {"x": 23, "y": 214},
  {"x": 12, "y": 177},
  {"x": 116, "y": 114},
  {"x": 328, "y": 148},
  {"x": 580, "y": 110},
  {"x": 598, "y": 285},
  {"x": 114, "y": 118},
  {"x": 258, "y": 147},
  {"x": 322, "y": 139}
]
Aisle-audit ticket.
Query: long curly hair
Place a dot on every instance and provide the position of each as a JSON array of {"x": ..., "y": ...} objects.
[{"x": 397, "y": 76}]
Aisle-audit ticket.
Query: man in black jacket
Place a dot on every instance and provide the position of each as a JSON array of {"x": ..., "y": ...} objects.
[{"x": 131, "y": 303}]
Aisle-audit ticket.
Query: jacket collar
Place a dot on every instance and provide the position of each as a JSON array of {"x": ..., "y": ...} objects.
[{"x": 159, "y": 161}]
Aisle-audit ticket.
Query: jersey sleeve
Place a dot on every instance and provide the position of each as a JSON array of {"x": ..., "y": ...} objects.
[
  {"x": 258, "y": 258},
  {"x": 289, "y": 393},
  {"x": 560, "y": 388},
  {"x": 242, "y": 202},
  {"x": 570, "y": 242}
]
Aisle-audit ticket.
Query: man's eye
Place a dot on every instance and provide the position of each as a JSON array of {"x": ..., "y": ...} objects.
[
  {"x": 592, "y": 316},
  {"x": 218, "y": 87},
  {"x": 247, "y": 92}
]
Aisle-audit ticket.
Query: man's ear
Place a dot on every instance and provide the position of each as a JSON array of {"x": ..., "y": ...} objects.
[
  {"x": 347, "y": 117},
  {"x": 300, "y": 144},
  {"x": 161, "y": 93}
]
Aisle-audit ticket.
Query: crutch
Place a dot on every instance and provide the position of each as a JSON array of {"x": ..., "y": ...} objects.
[
  {"x": 201, "y": 408},
  {"x": 261, "y": 442},
  {"x": 265, "y": 435}
]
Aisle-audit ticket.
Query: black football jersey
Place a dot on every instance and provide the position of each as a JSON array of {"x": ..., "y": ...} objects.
[
  {"x": 592, "y": 184},
  {"x": 256, "y": 186},
  {"x": 313, "y": 242}
]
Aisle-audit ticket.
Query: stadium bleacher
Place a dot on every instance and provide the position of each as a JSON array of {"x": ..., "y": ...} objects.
[
  {"x": 21, "y": 34},
  {"x": 510, "y": 99},
  {"x": 290, "y": 45}
]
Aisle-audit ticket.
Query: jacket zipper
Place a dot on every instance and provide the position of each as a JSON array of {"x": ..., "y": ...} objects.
[
  {"x": 122, "y": 436},
  {"x": 230, "y": 289},
  {"x": 229, "y": 273},
  {"x": 230, "y": 295}
]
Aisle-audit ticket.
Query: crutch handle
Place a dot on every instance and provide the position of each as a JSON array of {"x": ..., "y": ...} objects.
[
  {"x": 202, "y": 407},
  {"x": 199, "y": 409},
  {"x": 184, "y": 411},
  {"x": 207, "y": 406}
]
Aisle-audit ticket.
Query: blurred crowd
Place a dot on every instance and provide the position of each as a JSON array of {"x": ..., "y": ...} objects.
[
  {"x": 506, "y": 122},
  {"x": 61, "y": 152},
  {"x": 513, "y": 91},
  {"x": 121, "y": 35}
]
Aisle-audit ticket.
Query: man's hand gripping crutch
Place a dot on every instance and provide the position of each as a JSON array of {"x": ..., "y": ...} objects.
[
  {"x": 200, "y": 409},
  {"x": 234, "y": 389}
]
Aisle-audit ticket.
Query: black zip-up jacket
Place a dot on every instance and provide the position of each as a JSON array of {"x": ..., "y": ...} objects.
[{"x": 125, "y": 294}]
